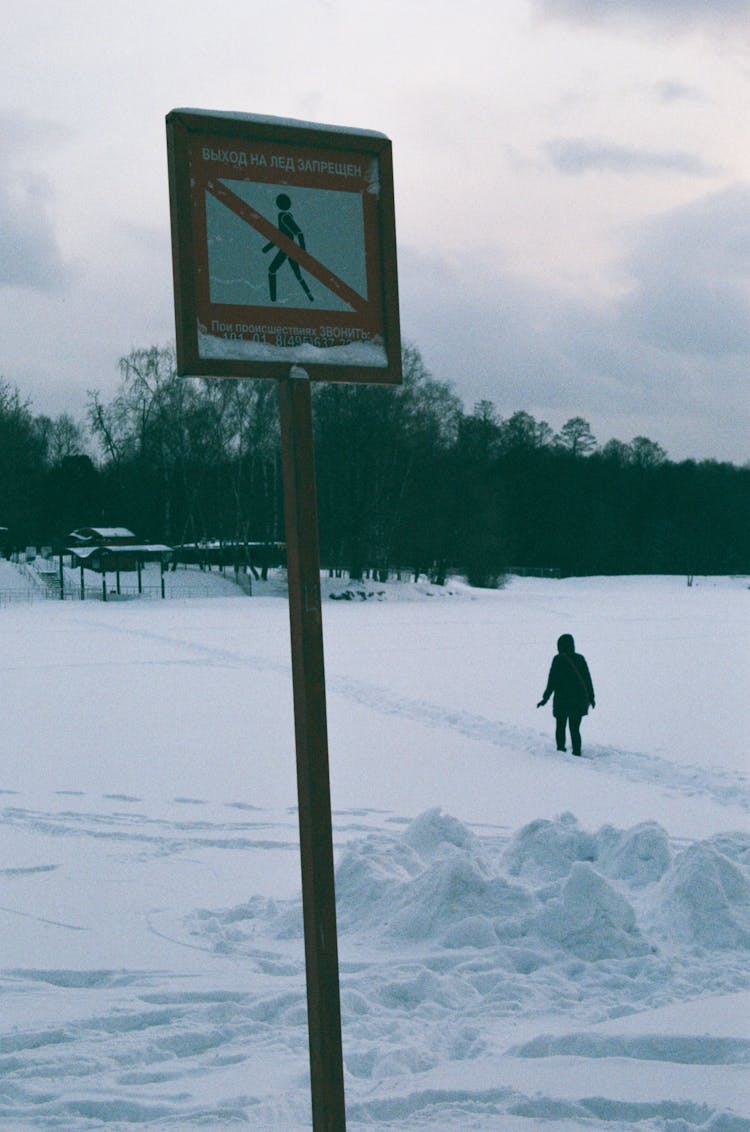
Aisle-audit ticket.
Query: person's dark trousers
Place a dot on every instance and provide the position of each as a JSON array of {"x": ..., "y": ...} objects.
[{"x": 574, "y": 721}]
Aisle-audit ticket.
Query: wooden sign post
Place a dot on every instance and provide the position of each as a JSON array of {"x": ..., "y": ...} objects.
[
  {"x": 284, "y": 257},
  {"x": 311, "y": 733}
]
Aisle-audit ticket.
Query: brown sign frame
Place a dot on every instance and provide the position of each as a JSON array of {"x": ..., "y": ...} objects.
[{"x": 255, "y": 339}]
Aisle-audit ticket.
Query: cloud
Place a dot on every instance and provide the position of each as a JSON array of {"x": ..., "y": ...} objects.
[
  {"x": 668, "y": 360},
  {"x": 30, "y": 255},
  {"x": 574, "y": 156},
  {"x": 671, "y": 90},
  {"x": 677, "y": 14},
  {"x": 691, "y": 269},
  {"x": 29, "y": 252}
]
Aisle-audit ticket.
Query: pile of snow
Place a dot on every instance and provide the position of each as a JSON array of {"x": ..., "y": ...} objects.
[
  {"x": 612, "y": 917},
  {"x": 704, "y": 900},
  {"x": 406, "y": 588},
  {"x": 445, "y": 937}
]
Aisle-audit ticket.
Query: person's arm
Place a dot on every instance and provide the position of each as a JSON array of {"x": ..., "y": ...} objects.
[
  {"x": 294, "y": 231},
  {"x": 550, "y": 685}
]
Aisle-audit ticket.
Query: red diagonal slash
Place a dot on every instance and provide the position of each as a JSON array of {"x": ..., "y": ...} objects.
[{"x": 313, "y": 266}]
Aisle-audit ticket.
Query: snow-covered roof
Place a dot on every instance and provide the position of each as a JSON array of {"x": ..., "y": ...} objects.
[
  {"x": 226, "y": 544},
  {"x": 85, "y": 533},
  {"x": 138, "y": 548},
  {"x": 123, "y": 551},
  {"x": 82, "y": 551}
]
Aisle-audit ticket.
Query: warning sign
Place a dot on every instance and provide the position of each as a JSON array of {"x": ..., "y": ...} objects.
[{"x": 284, "y": 249}]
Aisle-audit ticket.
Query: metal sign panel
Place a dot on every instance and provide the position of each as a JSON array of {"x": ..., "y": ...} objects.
[{"x": 284, "y": 248}]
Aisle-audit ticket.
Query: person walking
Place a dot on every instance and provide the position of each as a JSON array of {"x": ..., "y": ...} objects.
[
  {"x": 289, "y": 227},
  {"x": 573, "y": 692}
]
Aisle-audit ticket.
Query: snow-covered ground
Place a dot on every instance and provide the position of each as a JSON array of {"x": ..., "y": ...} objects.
[
  {"x": 39, "y": 579},
  {"x": 528, "y": 941}
]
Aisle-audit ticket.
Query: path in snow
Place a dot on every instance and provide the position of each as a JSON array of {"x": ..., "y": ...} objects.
[
  {"x": 721, "y": 785},
  {"x": 728, "y": 788}
]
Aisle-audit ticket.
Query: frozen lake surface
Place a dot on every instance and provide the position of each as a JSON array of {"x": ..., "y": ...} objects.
[{"x": 527, "y": 941}]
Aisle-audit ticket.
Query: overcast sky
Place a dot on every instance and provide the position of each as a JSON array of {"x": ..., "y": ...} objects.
[{"x": 572, "y": 189}]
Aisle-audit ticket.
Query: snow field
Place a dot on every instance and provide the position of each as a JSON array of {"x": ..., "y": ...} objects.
[{"x": 527, "y": 942}]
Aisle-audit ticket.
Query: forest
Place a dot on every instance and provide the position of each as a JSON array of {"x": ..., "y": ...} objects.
[{"x": 408, "y": 479}]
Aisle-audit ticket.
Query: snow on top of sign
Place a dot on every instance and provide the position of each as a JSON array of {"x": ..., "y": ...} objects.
[
  {"x": 271, "y": 120},
  {"x": 373, "y": 178},
  {"x": 370, "y": 354}
]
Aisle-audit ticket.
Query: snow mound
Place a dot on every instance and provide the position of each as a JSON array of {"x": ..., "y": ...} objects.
[
  {"x": 609, "y": 920},
  {"x": 640, "y": 855},
  {"x": 434, "y": 830},
  {"x": 592, "y": 920},
  {"x": 556, "y": 892},
  {"x": 704, "y": 899},
  {"x": 430, "y": 883},
  {"x": 455, "y": 894},
  {"x": 546, "y": 850},
  {"x": 392, "y": 589},
  {"x": 368, "y": 873},
  {"x": 448, "y": 938}
]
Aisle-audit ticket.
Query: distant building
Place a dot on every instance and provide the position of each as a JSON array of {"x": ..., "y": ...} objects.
[{"x": 113, "y": 548}]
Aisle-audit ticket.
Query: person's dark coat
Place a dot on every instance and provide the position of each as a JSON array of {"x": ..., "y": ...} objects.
[{"x": 569, "y": 681}]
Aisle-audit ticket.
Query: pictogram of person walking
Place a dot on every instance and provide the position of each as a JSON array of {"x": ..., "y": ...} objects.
[{"x": 289, "y": 226}]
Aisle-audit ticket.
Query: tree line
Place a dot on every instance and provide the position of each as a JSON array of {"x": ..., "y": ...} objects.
[{"x": 408, "y": 479}]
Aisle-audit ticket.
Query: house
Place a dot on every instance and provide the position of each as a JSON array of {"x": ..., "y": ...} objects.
[{"x": 106, "y": 549}]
